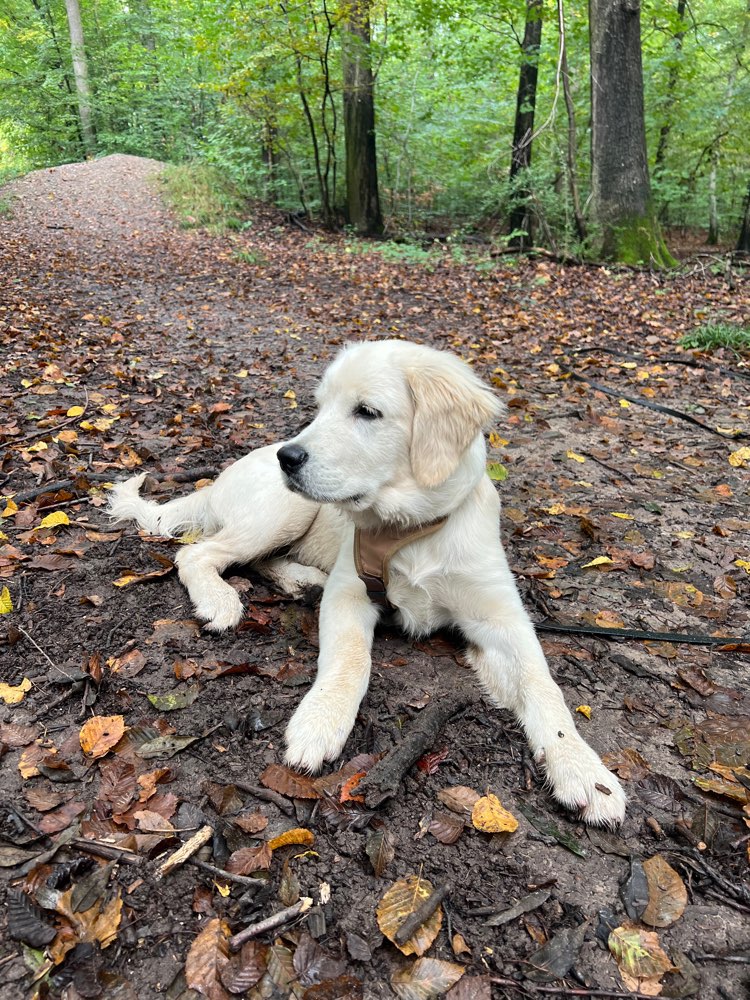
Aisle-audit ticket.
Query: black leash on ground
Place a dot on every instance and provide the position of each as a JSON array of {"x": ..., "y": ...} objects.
[
  {"x": 734, "y": 436},
  {"x": 628, "y": 633}
]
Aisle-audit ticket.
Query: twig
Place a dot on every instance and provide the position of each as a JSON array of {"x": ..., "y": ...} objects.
[
  {"x": 62, "y": 484},
  {"x": 736, "y": 436},
  {"x": 40, "y": 650},
  {"x": 182, "y": 854},
  {"x": 282, "y": 917},
  {"x": 567, "y": 991},
  {"x": 629, "y": 633},
  {"x": 248, "y": 883},
  {"x": 422, "y": 914},
  {"x": 121, "y": 854},
  {"x": 743, "y": 959},
  {"x": 267, "y": 795},
  {"x": 384, "y": 779}
]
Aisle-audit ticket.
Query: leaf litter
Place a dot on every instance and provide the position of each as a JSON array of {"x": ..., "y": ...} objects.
[{"x": 614, "y": 516}]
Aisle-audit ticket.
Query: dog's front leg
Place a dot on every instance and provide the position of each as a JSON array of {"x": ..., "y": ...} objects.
[
  {"x": 319, "y": 728},
  {"x": 510, "y": 664}
]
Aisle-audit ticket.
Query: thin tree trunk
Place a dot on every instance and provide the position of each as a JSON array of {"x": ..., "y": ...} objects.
[
  {"x": 81, "y": 75},
  {"x": 620, "y": 187},
  {"x": 743, "y": 243},
  {"x": 674, "y": 73},
  {"x": 713, "y": 213},
  {"x": 572, "y": 144},
  {"x": 362, "y": 195},
  {"x": 521, "y": 218}
]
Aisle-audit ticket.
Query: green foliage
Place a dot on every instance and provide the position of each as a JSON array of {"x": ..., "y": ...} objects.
[
  {"x": 202, "y": 195},
  {"x": 255, "y": 91},
  {"x": 711, "y": 336}
]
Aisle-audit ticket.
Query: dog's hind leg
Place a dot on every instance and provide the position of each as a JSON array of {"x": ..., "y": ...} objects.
[
  {"x": 200, "y": 566},
  {"x": 291, "y": 577}
]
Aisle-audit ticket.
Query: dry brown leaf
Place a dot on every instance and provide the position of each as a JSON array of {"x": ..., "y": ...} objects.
[
  {"x": 399, "y": 902},
  {"x": 100, "y": 733},
  {"x": 446, "y": 827},
  {"x": 249, "y": 859},
  {"x": 426, "y": 978},
  {"x": 98, "y": 923},
  {"x": 207, "y": 959},
  {"x": 253, "y": 822},
  {"x": 627, "y": 763},
  {"x": 490, "y": 817},
  {"x": 287, "y": 782},
  {"x": 667, "y": 895},
  {"x": 459, "y": 799}
]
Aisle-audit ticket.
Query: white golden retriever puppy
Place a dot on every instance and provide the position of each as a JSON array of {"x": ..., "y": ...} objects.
[{"x": 397, "y": 444}]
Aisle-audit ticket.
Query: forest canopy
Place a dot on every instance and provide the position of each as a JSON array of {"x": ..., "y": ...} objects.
[{"x": 259, "y": 91}]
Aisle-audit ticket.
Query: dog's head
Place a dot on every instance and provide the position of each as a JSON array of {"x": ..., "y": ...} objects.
[{"x": 395, "y": 419}]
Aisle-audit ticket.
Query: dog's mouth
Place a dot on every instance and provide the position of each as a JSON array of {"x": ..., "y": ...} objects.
[{"x": 296, "y": 487}]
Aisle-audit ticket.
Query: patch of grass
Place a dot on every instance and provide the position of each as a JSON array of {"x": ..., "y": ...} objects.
[
  {"x": 251, "y": 257},
  {"x": 6, "y": 208},
  {"x": 202, "y": 195},
  {"x": 711, "y": 336}
]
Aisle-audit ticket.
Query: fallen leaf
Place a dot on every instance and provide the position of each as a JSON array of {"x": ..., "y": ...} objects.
[
  {"x": 639, "y": 956},
  {"x": 490, "y": 817},
  {"x": 14, "y": 695},
  {"x": 299, "y": 836},
  {"x": 249, "y": 859},
  {"x": 206, "y": 960},
  {"x": 287, "y": 782},
  {"x": 598, "y": 561},
  {"x": 398, "y": 903},
  {"x": 54, "y": 520},
  {"x": 426, "y": 978},
  {"x": 99, "y": 734},
  {"x": 380, "y": 849},
  {"x": 667, "y": 895},
  {"x": 459, "y": 798}
]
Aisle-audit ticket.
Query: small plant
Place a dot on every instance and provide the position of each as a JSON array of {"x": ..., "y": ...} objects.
[
  {"x": 251, "y": 257},
  {"x": 202, "y": 195},
  {"x": 6, "y": 208},
  {"x": 712, "y": 336}
]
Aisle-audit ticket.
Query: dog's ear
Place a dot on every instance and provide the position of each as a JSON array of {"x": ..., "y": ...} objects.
[{"x": 451, "y": 406}]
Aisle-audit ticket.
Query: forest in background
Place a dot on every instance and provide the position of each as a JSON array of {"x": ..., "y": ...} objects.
[{"x": 482, "y": 109}]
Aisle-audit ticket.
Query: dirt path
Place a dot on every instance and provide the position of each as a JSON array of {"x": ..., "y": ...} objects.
[{"x": 185, "y": 350}]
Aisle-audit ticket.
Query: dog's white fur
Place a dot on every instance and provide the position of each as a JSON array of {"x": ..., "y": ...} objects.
[{"x": 423, "y": 459}]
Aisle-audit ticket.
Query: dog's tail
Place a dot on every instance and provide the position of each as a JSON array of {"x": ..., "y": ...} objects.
[{"x": 183, "y": 513}]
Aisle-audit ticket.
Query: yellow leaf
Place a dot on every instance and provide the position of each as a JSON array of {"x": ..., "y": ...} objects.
[
  {"x": 496, "y": 441},
  {"x": 742, "y": 563},
  {"x": 39, "y": 446},
  {"x": 584, "y": 710},
  {"x": 54, "y": 519},
  {"x": 6, "y": 604},
  {"x": 13, "y": 695},
  {"x": 290, "y": 394},
  {"x": 399, "y": 902},
  {"x": 556, "y": 508},
  {"x": 599, "y": 561},
  {"x": 576, "y": 457},
  {"x": 739, "y": 458},
  {"x": 490, "y": 817},
  {"x": 100, "y": 733},
  {"x": 223, "y": 890},
  {"x": 624, "y": 517},
  {"x": 625, "y": 404},
  {"x": 243, "y": 373},
  {"x": 11, "y": 508},
  {"x": 75, "y": 411},
  {"x": 297, "y": 836}
]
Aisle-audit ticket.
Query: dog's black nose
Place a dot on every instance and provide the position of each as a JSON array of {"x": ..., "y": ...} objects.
[{"x": 291, "y": 458}]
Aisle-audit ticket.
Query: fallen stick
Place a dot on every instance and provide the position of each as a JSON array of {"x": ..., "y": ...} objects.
[
  {"x": 267, "y": 795},
  {"x": 244, "y": 880},
  {"x": 123, "y": 855},
  {"x": 384, "y": 779},
  {"x": 282, "y": 917},
  {"x": 188, "y": 849},
  {"x": 421, "y": 915}
]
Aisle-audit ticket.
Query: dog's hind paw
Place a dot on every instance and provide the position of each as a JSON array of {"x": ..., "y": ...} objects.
[{"x": 581, "y": 782}]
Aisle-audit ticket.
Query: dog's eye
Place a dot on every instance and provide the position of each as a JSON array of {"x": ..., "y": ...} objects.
[{"x": 367, "y": 412}]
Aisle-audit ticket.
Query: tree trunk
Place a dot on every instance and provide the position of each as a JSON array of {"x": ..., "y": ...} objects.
[
  {"x": 362, "y": 196},
  {"x": 521, "y": 218},
  {"x": 620, "y": 187},
  {"x": 713, "y": 212},
  {"x": 81, "y": 76},
  {"x": 674, "y": 72},
  {"x": 743, "y": 243},
  {"x": 572, "y": 144}
]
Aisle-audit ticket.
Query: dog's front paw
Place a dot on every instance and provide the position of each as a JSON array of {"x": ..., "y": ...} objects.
[
  {"x": 582, "y": 783},
  {"x": 317, "y": 732},
  {"x": 221, "y": 613}
]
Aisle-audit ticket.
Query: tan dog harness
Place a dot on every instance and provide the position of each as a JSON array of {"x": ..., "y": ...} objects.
[{"x": 373, "y": 551}]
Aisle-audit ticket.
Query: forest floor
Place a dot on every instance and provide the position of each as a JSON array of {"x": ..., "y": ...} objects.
[{"x": 129, "y": 344}]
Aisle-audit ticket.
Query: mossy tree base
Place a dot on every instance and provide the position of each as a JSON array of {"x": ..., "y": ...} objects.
[{"x": 637, "y": 241}]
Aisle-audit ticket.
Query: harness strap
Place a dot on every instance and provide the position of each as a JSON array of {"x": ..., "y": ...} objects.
[{"x": 373, "y": 551}]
